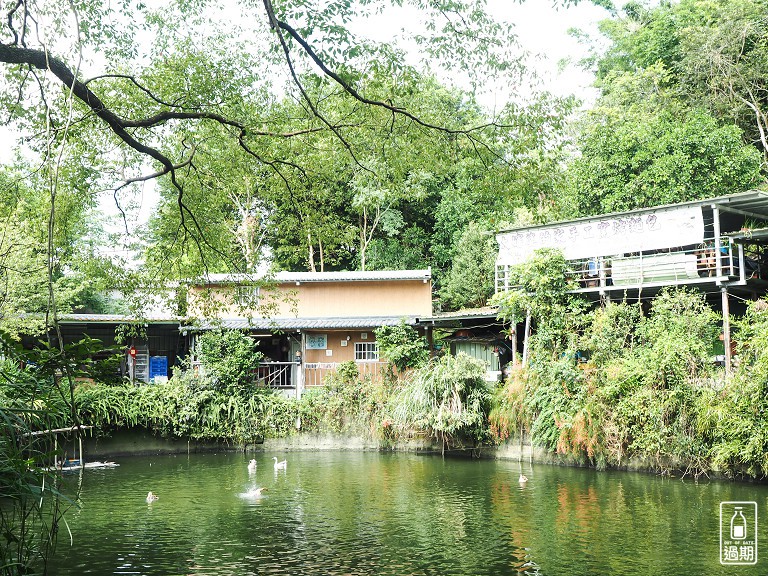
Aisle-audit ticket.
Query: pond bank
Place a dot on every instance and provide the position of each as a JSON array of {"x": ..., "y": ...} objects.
[{"x": 137, "y": 442}]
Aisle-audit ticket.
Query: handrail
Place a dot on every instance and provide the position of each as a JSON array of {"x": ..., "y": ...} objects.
[{"x": 710, "y": 261}]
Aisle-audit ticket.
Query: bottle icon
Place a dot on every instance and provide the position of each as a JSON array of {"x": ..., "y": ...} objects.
[{"x": 738, "y": 525}]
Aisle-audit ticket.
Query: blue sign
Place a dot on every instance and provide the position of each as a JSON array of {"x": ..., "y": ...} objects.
[{"x": 158, "y": 368}]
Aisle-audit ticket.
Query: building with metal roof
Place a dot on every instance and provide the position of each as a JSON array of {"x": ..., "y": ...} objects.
[
  {"x": 306, "y": 323},
  {"x": 717, "y": 245}
]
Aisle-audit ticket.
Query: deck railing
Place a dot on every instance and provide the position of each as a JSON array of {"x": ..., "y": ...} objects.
[
  {"x": 316, "y": 372},
  {"x": 286, "y": 374},
  {"x": 276, "y": 374},
  {"x": 691, "y": 265}
]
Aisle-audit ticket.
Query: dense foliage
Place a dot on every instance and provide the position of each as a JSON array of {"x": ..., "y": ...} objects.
[
  {"x": 188, "y": 406},
  {"x": 711, "y": 56},
  {"x": 402, "y": 347},
  {"x": 447, "y": 399},
  {"x": 469, "y": 282},
  {"x": 32, "y": 398},
  {"x": 649, "y": 391},
  {"x": 73, "y": 269},
  {"x": 650, "y": 155},
  {"x": 229, "y": 360},
  {"x": 682, "y": 108},
  {"x": 542, "y": 286}
]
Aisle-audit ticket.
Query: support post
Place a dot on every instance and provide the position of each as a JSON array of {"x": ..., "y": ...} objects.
[
  {"x": 300, "y": 367},
  {"x": 718, "y": 254},
  {"x": 726, "y": 330},
  {"x": 513, "y": 336},
  {"x": 526, "y": 336},
  {"x": 742, "y": 264}
]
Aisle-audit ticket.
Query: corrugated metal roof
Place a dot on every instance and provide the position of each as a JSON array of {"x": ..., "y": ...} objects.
[
  {"x": 346, "y": 276},
  {"x": 117, "y": 319},
  {"x": 284, "y": 324},
  {"x": 754, "y": 202},
  {"x": 484, "y": 312}
]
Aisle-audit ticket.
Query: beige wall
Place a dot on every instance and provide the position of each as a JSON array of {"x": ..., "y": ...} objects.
[
  {"x": 332, "y": 299},
  {"x": 339, "y": 352}
]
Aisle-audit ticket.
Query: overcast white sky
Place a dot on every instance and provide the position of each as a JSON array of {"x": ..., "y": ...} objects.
[{"x": 544, "y": 29}]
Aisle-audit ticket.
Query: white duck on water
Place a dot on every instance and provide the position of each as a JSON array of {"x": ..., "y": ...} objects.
[
  {"x": 252, "y": 466},
  {"x": 282, "y": 465},
  {"x": 151, "y": 496}
]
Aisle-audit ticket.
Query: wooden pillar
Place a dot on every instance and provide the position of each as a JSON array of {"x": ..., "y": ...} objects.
[
  {"x": 726, "y": 330},
  {"x": 431, "y": 341}
]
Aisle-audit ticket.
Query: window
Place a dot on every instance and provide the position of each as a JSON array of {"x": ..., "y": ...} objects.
[
  {"x": 247, "y": 296},
  {"x": 317, "y": 341},
  {"x": 366, "y": 352}
]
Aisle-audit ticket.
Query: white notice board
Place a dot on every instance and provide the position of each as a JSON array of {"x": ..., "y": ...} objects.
[{"x": 618, "y": 235}]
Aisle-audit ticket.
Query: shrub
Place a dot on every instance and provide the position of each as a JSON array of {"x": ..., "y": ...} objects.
[
  {"x": 402, "y": 346},
  {"x": 447, "y": 398},
  {"x": 346, "y": 403},
  {"x": 230, "y": 358}
]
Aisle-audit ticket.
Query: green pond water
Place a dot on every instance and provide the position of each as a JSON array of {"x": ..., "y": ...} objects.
[{"x": 343, "y": 513}]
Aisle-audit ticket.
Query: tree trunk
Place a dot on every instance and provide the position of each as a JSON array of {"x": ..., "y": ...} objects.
[
  {"x": 363, "y": 235},
  {"x": 311, "y": 254}
]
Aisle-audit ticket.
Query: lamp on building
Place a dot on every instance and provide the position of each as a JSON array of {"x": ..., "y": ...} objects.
[{"x": 298, "y": 356}]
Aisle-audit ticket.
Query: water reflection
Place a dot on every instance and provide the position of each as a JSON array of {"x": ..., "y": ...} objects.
[{"x": 390, "y": 514}]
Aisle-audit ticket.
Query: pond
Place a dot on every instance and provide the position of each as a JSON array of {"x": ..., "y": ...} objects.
[{"x": 345, "y": 513}]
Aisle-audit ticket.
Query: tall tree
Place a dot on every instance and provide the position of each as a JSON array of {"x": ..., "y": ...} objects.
[
  {"x": 713, "y": 54},
  {"x": 46, "y": 257},
  {"x": 662, "y": 130},
  {"x": 469, "y": 283}
]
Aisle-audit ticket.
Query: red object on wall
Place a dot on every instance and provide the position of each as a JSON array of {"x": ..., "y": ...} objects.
[{"x": 132, "y": 352}]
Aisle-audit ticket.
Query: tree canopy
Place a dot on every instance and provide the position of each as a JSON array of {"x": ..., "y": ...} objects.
[
  {"x": 713, "y": 55},
  {"x": 680, "y": 114},
  {"x": 282, "y": 129}
]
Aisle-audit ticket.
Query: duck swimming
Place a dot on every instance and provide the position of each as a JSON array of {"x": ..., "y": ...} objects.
[
  {"x": 252, "y": 466},
  {"x": 523, "y": 479},
  {"x": 151, "y": 496},
  {"x": 253, "y": 494},
  {"x": 283, "y": 464}
]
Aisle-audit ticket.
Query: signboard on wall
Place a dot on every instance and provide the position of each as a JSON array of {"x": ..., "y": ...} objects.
[
  {"x": 317, "y": 341},
  {"x": 622, "y": 234},
  {"x": 158, "y": 368}
]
